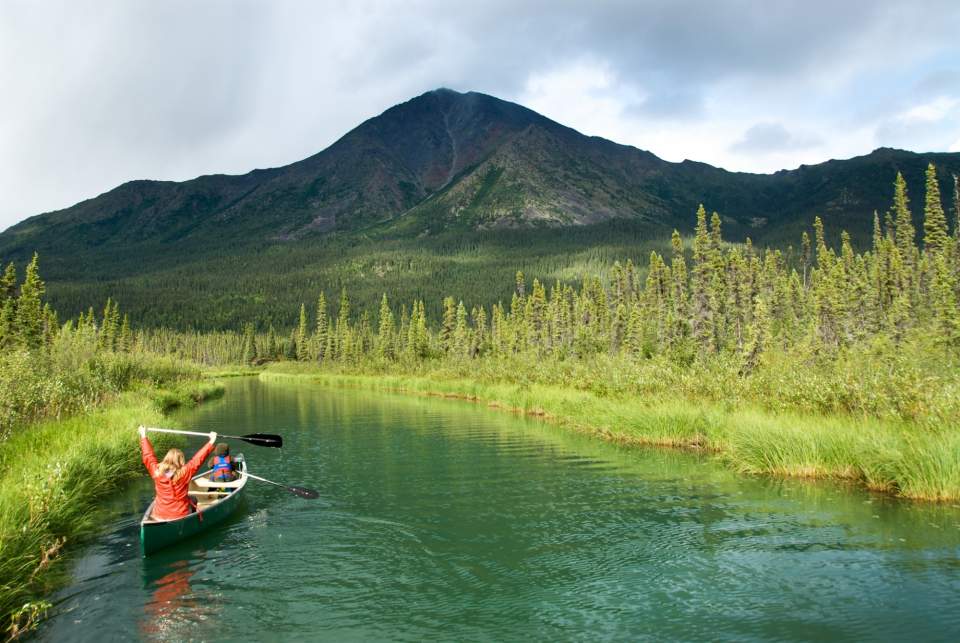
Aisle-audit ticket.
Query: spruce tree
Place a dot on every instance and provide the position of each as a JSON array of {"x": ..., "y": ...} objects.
[
  {"x": 29, "y": 309},
  {"x": 634, "y": 339},
  {"x": 805, "y": 255},
  {"x": 946, "y": 312},
  {"x": 900, "y": 314},
  {"x": 448, "y": 323},
  {"x": 126, "y": 335},
  {"x": 342, "y": 339},
  {"x": 701, "y": 312},
  {"x": 320, "y": 335},
  {"x": 935, "y": 237},
  {"x": 479, "y": 318},
  {"x": 8, "y": 313},
  {"x": 108, "y": 332},
  {"x": 536, "y": 318},
  {"x": 249, "y": 350},
  {"x": 521, "y": 285},
  {"x": 422, "y": 336},
  {"x": 290, "y": 346},
  {"x": 678, "y": 289},
  {"x": 272, "y": 349},
  {"x": 50, "y": 324},
  {"x": 303, "y": 352},
  {"x": 385, "y": 330},
  {"x": 618, "y": 329},
  {"x": 8, "y": 282},
  {"x": 760, "y": 334},
  {"x": 460, "y": 342},
  {"x": 364, "y": 338},
  {"x": 904, "y": 232},
  {"x": 498, "y": 331}
]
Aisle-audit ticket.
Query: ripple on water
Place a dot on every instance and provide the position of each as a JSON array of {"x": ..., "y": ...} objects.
[{"x": 440, "y": 520}]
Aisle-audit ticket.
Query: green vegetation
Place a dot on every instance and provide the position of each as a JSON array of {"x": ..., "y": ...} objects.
[
  {"x": 386, "y": 209},
  {"x": 830, "y": 363},
  {"x": 885, "y": 455},
  {"x": 70, "y": 399},
  {"x": 819, "y": 360}
]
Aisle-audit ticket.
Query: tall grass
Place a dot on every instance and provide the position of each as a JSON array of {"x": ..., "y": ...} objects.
[
  {"x": 74, "y": 377},
  {"x": 908, "y": 458},
  {"x": 67, "y": 437},
  {"x": 52, "y": 475}
]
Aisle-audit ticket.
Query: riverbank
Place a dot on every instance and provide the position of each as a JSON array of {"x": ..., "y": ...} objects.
[
  {"x": 53, "y": 474},
  {"x": 895, "y": 456}
]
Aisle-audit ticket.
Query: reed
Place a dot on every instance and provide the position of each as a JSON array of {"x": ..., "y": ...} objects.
[
  {"x": 54, "y": 473},
  {"x": 905, "y": 458}
]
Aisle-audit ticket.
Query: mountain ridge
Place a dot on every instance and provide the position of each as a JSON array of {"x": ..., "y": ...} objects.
[{"x": 445, "y": 159}]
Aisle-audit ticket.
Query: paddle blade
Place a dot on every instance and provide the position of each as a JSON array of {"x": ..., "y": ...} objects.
[
  {"x": 309, "y": 494},
  {"x": 263, "y": 439}
]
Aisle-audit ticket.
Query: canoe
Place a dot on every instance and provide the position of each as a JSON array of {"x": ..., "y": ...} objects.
[{"x": 213, "y": 506}]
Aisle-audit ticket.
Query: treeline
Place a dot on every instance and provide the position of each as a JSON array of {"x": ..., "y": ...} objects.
[
  {"x": 730, "y": 299},
  {"x": 49, "y": 369},
  {"x": 199, "y": 288},
  {"x": 28, "y": 323}
]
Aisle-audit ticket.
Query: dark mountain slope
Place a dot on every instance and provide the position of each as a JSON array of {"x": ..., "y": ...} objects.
[
  {"x": 445, "y": 193},
  {"x": 449, "y": 160}
]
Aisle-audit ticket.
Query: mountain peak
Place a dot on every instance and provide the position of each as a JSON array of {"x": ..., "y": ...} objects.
[{"x": 448, "y": 159}]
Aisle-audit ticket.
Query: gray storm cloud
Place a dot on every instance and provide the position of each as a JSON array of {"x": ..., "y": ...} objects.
[{"x": 97, "y": 93}]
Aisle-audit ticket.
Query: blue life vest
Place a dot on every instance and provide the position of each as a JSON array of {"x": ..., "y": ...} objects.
[{"x": 222, "y": 468}]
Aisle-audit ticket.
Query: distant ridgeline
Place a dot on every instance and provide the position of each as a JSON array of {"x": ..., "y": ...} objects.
[
  {"x": 446, "y": 193},
  {"x": 733, "y": 300}
]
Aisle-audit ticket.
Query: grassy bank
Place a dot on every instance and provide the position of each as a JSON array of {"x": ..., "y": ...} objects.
[
  {"x": 53, "y": 474},
  {"x": 909, "y": 459}
]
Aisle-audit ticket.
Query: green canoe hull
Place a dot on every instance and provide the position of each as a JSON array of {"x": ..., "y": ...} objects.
[{"x": 156, "y": 535}]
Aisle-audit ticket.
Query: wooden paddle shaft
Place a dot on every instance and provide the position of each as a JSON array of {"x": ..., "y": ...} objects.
[{"x": 154, "y": 430}]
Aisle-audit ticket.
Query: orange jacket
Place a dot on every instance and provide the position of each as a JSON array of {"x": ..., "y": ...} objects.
[{"x": 172, "y": 500}]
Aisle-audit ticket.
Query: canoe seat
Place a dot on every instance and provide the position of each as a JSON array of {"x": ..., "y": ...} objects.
[{"x": 207, "y": 483}]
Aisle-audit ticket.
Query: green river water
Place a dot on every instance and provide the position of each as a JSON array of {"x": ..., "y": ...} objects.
[{"x": 445, "y": 520}]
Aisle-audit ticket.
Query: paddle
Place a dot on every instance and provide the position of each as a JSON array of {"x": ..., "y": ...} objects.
[
  {"x": 259, "y": 439},
  {"x": 309, "y": 494}
]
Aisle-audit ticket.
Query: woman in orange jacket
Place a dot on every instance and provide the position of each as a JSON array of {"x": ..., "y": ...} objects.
[{"x": 171, "y": 477}]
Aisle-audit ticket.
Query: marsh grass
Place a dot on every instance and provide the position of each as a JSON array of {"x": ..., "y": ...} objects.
[
  {"x": 69, "y": 439},
  {"x": 52, "y": 476},
  {"x": 901, "y": 457},
  {"x": 187, "y": 395}
]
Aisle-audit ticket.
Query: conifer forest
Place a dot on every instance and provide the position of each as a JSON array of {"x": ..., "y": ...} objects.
[{"x": 777, "y": 318}]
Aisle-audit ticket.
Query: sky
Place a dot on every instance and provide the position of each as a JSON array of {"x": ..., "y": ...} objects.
[{"x": 95, "y": 93}]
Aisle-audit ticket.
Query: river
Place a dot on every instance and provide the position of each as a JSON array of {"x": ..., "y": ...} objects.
[{"x": 447, "y": 520}]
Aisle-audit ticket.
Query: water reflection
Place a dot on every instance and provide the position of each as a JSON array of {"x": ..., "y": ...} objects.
[
  {"x": 444, "y": 520},
  {"x": 172, "y": 606}
]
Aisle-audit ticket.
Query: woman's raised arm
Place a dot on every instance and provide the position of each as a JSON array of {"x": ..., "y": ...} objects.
[{"x": 146, "y": 452}]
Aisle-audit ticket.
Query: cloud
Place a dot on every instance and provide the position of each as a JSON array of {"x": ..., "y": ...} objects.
[
  {"x": 764, "y": 138},
  {"x": 930, "y": 112},
  {"x": 931, "y": 124},
  {"x": 97, "y": 92}
]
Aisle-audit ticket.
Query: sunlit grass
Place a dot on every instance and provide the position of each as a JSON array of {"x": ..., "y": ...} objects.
[
  {"x": 883, "y": 454},
  {"x": 53, "y": 474}
]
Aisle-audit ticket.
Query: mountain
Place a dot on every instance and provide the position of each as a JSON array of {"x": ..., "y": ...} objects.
[
  {"x": 442, "y": 166},
  {"x": 446, "y": 159}
]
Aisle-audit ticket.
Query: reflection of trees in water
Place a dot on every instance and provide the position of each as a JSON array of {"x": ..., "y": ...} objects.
[{"x": 173, "y": 610}]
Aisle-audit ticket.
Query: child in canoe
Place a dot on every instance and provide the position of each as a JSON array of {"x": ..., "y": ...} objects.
[
  {"x": 222, "y": 465},
  {"x": 171, "y": 477}
]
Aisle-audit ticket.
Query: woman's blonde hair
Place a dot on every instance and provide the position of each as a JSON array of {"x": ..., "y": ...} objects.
[{"x": 172, "y": 465}]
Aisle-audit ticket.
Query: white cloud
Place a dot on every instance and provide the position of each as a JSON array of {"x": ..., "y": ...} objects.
[
  {"x": 97, "y": 92},
  {"x": 931, "y": 112},
  {"x": 766, "y": 138}
]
